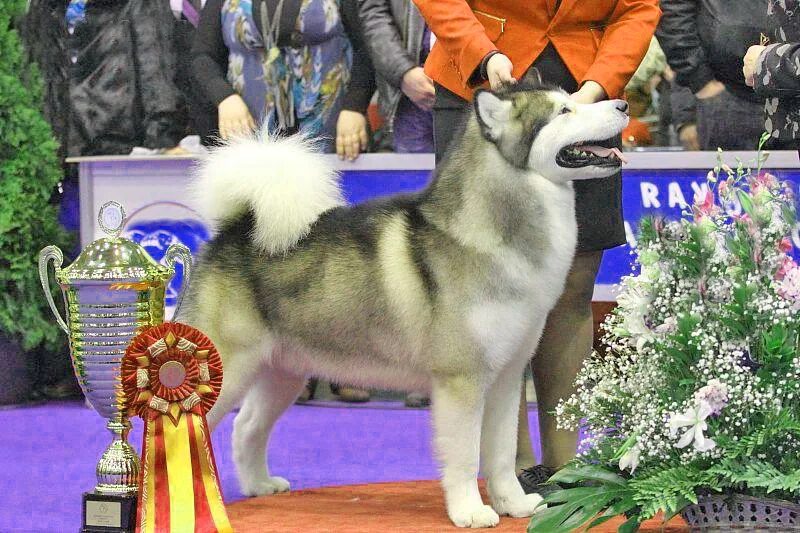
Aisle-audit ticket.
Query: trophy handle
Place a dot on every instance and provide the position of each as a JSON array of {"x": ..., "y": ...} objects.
[
  {"x": 45, "y": 256},
  {"x": 184, "y": 255}
]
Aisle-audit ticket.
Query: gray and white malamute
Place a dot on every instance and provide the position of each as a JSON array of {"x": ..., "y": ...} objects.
[{"x": 446, "y": 290}]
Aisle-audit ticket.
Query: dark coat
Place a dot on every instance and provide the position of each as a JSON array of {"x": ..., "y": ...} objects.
[
  {"x": 122, "y": 92},
  {"x": 707, "y": 39},
  {"x": 44, "y": 34},
  {"x": 777, "y": 75},
  {"x": 393, "y": 31}
]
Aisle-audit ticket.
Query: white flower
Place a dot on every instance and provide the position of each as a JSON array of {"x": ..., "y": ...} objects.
[
  {"x": 635, "y": 299},
  {"x": 695, "y": 419},
  {"x": 630, "y": 459},
  {"x": 638, "y": 330}
]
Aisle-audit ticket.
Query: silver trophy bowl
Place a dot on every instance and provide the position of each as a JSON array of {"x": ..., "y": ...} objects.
[{"x": 112, "y": 292}]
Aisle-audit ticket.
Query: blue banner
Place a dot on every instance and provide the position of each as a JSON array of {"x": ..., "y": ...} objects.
[{"x": 645, "y": 192}]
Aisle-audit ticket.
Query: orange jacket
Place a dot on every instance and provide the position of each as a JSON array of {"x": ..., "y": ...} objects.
[{"x": 600, "y": 40}]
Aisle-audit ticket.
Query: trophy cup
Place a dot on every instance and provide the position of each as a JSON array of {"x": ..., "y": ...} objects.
[{"x": 112, "y": 292}]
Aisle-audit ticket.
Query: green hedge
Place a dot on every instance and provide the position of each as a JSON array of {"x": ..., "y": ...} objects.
[{"x": 29, "y": 173}]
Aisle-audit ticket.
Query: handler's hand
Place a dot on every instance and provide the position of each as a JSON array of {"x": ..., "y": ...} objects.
[
  {"x": 419, "y": 88},
  {"x": 749, "y": 64},
  {"x": 498, "y": 70},
  {"x": 589, "y": 93},
  {"x": 234, "y": 117},
  {"x": 710, "y": 90},
  {"x": 351, "y": 134},
  {"x": 688, "y": 137}
]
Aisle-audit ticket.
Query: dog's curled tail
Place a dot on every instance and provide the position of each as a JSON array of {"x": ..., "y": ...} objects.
[{"x": 286, "y": 183}]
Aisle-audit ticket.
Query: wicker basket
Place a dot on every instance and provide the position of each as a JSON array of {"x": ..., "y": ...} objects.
[{"x": 742, "y": 513}]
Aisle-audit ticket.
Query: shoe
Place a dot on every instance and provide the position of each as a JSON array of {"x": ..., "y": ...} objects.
[
  {"x": 417, "y": 400},
  {"x": 308, "y": 392},
  {"x": 534, "y": 480},
  {"x": 350, "y": 394}
]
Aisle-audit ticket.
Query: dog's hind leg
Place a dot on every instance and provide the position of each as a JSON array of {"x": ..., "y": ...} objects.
[
  {"x": 272, "y": 392},
  {"x": 499, "y": 445},
  {"x": 457, "y": 409}
]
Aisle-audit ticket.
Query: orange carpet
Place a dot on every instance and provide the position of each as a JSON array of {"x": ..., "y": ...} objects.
[{"x": 408, "y": 507}]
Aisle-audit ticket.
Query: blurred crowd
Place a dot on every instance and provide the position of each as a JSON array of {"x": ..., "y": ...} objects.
[{"x": 123, "y": 75}]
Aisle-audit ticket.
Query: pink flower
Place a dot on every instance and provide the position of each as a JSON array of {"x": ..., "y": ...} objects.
[
  {"x": 762, "y": 182},
  {"x": 767, "y": 180},
  {"x": 715, "y": 394},
  {"x": 785, "y": 245},
  {"x": 787, "y": 266},
  {"x": 723, "y": 187},
  {"x": 704, "y": 204}
]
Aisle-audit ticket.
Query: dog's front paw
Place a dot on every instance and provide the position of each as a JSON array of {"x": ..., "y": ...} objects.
[
  {"x": 262, "y": 487},
  {"x": 474, "y": 517},
  {"x": 519, "y": 507}
]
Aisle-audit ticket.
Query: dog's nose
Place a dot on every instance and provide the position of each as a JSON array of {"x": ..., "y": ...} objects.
[{"x": 622, "y": 105}]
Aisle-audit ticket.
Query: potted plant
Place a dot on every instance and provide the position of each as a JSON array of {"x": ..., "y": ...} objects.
[
  {"x": 695, "y": 406},
  {"x": 29, "y": 174}
]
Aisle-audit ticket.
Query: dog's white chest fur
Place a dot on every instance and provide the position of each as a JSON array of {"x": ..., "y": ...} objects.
[{"x": 509, "y": 322}]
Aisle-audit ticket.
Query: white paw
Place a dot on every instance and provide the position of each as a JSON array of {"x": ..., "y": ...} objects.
[
  {"x": 262, "y": 487},
  {"x": 520, "y": 506},
  {"x": 482, "y": 516}
]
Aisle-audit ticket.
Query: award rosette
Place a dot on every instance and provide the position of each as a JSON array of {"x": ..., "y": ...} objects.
[{"x": 171, "y": 376}]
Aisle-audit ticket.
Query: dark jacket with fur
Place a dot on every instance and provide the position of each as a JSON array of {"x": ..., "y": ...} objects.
[
  {"x": 121, "y": 68},
  {"x": 44, "y": 34},
  {"x": 778, "y": 71}
]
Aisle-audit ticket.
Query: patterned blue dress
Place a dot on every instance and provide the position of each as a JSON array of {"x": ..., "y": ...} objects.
[{"x": 290, "y": 88}]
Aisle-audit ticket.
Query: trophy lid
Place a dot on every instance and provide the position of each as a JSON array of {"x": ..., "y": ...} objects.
[{"x": 113, "y": 258}]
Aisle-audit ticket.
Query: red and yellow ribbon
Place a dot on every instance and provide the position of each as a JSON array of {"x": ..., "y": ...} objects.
[{"x": 171, "y": 376}]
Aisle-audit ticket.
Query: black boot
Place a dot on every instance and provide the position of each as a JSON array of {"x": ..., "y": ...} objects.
[{"x": 534, "y": 480}]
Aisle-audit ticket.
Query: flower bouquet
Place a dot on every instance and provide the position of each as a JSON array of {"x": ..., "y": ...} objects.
[{"x": 694, "y": 407}]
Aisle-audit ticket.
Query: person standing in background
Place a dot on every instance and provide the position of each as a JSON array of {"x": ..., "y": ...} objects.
[
  {"x": 590, "y": 49},
  {"x": 289, "y": 66},
  {"x": 772, "y": 68},
  {"x": 198, "y": 113},
  {"x": 120, "y": 71},
  {"x": 399, "y": 42},
  {"x": 704, "y": 41}
]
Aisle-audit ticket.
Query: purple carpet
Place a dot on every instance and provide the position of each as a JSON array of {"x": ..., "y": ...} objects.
[{"x": 48, "y": 454}]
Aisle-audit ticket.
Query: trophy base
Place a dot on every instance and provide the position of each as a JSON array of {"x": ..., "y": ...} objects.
[{"x": 108, "y": 513}]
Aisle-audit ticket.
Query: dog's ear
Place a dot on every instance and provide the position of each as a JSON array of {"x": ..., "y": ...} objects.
[
  {"x": 493, "y": 113},
  {"x": 534, "y": 77}
]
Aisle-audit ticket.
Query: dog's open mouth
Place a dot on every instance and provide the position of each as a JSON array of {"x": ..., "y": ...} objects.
[{"x": 586, "y": 154}]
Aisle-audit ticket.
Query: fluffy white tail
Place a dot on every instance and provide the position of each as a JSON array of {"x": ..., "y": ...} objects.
[{"x": 284, "y": 181}]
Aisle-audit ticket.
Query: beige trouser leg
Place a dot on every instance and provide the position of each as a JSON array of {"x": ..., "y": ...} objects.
[{"x": 566, "y": 342}]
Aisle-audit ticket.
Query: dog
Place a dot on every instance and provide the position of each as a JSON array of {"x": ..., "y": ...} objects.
[{"x": 444, "y": 291}]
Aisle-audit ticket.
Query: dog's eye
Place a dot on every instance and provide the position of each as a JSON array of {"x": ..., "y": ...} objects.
[{"x": 564, "y": 110}]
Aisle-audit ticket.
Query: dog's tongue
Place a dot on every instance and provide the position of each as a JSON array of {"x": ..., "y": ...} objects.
[{"x": 604, "y": 152}]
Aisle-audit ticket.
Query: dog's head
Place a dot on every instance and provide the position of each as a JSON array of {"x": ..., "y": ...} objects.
[{"x": 545, "y": 131}]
